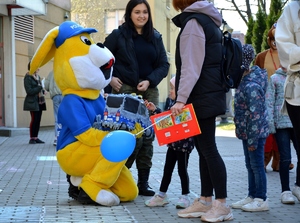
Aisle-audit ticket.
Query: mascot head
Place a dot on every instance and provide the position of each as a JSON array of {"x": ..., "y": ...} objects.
[
  {"x": 271, "y": 37},
  {"x": 80, "y": 66}
]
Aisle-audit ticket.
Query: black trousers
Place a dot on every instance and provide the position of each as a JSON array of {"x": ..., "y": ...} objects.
[
  {"x": 34, "y": 127},
  {"x": 182, "y": 159},
  {"x": 294, "y": 114},
  {"x": 213, "y": 173}
]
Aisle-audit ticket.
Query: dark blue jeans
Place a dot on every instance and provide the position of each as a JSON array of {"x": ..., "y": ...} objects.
[
  {"x": 254, "y": 160},
  {"x": 283, "y": 138}
]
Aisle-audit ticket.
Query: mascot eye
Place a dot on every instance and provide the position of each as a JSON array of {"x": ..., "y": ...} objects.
[{"x": 85, "y": 40}]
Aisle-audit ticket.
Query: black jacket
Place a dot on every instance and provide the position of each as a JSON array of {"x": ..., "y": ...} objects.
[
  {"x": 208, "y": 95},
  {"x": 120, "y": 43},
  {"x": 32, "y": 88}
]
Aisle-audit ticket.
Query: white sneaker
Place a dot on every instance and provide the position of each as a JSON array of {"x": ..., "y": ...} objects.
[
  {"x": 183, "y": 202},
  {"x": 242, "y": 202},
  {"x": 287, "y": 197},
  {"x": 257, "y": 204},
  {"x": 296, "y": 192}
]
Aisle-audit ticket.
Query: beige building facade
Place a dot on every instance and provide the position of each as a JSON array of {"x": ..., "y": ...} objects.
[{"x": 23, "y": 24}]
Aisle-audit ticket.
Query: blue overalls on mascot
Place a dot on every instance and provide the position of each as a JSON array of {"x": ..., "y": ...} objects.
[{"x": 81, "y": 70}]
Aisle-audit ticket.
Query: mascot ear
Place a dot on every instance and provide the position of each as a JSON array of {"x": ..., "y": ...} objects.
[{"x": 45, "y": 51}]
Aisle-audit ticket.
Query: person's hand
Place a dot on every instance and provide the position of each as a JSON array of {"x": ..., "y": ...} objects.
[
  {"x": 143, "y": 85},
  {"x": 177, "y": 108},
  {"x": 116, "y": 83},
  {"x": 150, "y": 105},
  {"x": 251, "y": 148}
]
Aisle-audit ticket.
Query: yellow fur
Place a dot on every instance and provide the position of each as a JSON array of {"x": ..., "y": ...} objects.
[{"x": 76, "y": 67}]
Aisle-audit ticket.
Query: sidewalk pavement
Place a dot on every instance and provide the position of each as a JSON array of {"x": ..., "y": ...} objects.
[{"x": 34, "y": 189}]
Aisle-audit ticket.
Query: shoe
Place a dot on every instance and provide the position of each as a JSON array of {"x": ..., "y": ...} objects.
[
  {"x": 296, "y": 192},
  {"x": 84, "y": 198},
  {"x": 257, "y": 204},
  {"x": 195, "y": 210},
  {"x": 242, "y": 202},
  {"x": 144, "y": 188},
  {"x": 73, "y": 191},
  {"x": 39, "y": 141},
  {"x": 32, "y": 141},
  {"x": 183, "y": 202},
  {"x": 218, "y": 212},
  {"x": 55, "y": 142},
  {"x": 287, "y": 197},
  {"x": 157, "y": 201}
]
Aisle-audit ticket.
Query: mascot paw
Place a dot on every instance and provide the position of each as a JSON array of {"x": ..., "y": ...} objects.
[
  {"x": 75, "y": 180},
  {"x": 137, "y": 128},
  {"x": 107, "y": 198}
]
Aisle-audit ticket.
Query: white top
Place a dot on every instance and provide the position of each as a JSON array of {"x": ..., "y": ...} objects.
[{"x": 287, "y": 38}]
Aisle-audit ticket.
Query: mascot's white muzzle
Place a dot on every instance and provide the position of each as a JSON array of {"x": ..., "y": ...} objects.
[{"x": 94, "y": 70}]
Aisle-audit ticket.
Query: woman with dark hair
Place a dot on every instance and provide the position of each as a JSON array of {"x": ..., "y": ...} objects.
[
  {"x": 35, "y": 103},
  {"x": 141, "y": 64},
  {"x": 199, "y": 81}
]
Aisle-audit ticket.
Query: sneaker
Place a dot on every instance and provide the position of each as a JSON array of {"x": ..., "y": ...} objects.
[
  {"x": 55, "y": 142},
  {"x": 39, "y": 141},
  {"x": 287, "y": 197},
  {"x": 183, "y": 202},
  {"x": 32, "y": 141},
  {"x": 296, "y": 192},
  {"x": 242, "y": 202},
  {"x": 195, "y": 210},
  {"x": 257, "y": 204},
  {"x": 218, "y": 212},
  {"x": 157, "y": 201}
]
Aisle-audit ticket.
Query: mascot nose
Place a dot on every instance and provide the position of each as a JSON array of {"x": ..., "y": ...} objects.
[{"x": 100, "y": 45}]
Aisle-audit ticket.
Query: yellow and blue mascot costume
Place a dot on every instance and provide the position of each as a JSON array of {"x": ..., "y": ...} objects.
[{"x": 82, "y": 69}]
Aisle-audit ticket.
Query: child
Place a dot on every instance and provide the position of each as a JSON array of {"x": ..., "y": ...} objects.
[
  {"x": 252, "y": 128},
  {"x": 177, "y": 152},
  {"x": 282, "y": 128}
]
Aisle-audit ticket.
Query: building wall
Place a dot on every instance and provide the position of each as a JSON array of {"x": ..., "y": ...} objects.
[{"x": 56, "y": 10}]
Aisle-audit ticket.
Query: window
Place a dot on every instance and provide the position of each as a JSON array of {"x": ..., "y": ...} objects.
[
  {"x": 113, "y": 19},
  {"x": 24, "y": 28}
]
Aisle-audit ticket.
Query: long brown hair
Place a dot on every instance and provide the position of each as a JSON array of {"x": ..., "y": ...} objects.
[{"x": 180, "y": 5}]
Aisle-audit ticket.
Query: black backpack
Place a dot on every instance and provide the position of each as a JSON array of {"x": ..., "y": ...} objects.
[
  {"x": 232, "y": 68},
  {"x": 231, "y": 65}
]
